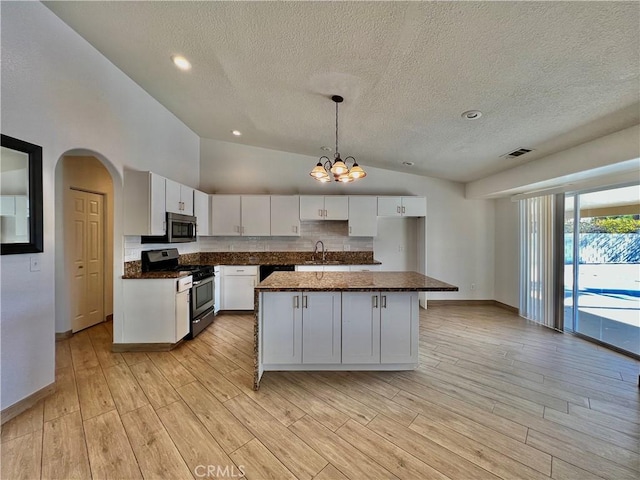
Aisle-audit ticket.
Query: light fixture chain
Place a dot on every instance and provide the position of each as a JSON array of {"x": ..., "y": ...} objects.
[{"x": 337, "y": 128}]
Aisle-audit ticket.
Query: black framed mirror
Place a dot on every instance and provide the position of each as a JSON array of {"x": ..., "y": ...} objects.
[{"x": 21, "y": 228}]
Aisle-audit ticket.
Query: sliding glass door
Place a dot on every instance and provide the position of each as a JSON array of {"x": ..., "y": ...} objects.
[{"x": 602, "y": 266}]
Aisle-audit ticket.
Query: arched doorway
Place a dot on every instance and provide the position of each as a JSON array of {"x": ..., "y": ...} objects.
[{"x": 84, "y": 241}]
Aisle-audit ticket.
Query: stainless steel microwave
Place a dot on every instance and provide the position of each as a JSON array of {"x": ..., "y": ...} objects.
[{"x": 180, "y": 229}]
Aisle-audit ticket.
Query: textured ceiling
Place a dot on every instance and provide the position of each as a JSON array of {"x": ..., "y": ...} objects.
[{"x": 546, "y": 75}]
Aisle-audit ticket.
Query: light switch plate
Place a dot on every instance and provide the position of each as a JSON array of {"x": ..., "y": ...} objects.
[{"x": 35, "y": 264}]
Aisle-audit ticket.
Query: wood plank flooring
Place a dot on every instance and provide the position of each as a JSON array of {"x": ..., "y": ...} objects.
[{"x": 494, "y": 397}]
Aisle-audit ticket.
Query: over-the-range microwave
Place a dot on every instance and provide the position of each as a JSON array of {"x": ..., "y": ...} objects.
[{"x": 180, "y": 229}]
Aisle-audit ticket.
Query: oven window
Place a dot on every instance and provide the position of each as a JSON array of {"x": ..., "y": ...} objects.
[{"x": 203, "y": 294}]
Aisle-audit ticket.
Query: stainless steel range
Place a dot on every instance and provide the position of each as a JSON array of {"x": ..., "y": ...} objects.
[{"x": 202, "y": 292}]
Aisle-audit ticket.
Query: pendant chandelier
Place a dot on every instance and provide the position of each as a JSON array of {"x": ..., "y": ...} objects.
[{"x": 339, "y": 169}]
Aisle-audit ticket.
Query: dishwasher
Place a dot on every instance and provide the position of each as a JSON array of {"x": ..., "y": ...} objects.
[{"x": 266, "y": 270}]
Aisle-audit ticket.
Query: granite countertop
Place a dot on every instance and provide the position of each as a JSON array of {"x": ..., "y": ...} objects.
[
  {"x": 353, "y": 281},
  {"x": 155, "y": 275}
]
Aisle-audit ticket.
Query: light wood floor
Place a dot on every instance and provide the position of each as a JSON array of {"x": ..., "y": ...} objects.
[{"x": 494, "y": 397}]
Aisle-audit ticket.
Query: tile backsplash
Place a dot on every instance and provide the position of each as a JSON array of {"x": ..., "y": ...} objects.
[{"x": 334, "y": 234}]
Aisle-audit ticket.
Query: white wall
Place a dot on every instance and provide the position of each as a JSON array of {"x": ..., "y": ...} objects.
[
  {"x": 460, "y": 232},
  {"x": 507, "y": 252},
  {"x": 60, "y": 93},
  {"x": 616, "y": 153}
]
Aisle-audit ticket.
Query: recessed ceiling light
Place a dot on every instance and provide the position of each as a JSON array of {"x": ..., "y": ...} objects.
[
  {"x": 237, "y": 133},
  {"x": 181, "y": 62},
  {"x": 408, "y": 164},
  {"x": 472, "y": 114},
  {"x": 325, "y": 148}
]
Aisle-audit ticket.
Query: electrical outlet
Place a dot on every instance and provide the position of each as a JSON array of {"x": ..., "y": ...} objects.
[
  {"x": 35, "y": 264},
  {"x": 473, "y": 286},
  {"x": 347, "y": 248}
]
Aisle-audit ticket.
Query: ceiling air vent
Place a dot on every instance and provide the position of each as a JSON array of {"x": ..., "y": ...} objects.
[{"x": 517, "y": 153}]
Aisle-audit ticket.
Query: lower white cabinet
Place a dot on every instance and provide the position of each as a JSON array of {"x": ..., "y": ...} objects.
[
  {"x": 236, "y": 287},
  {"x": 281, "y": 329},
  {"x": 320, "y": 329},
  {"x": 321, "y": 318},
  {"x": 301, "y": 328},
  {"x": 399, "y": 327},
  {"x": 380, "y": 327},
  {"x": 361, "y": 327},
  {"x": 155, "y": 311}
]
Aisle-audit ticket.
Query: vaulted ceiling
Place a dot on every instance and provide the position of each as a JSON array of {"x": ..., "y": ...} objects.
[{"x": 546, "y": 75}]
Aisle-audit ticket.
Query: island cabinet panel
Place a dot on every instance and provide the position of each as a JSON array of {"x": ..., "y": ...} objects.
[
  {"x": 360, "y": 327},
  {"x": 321, "y": 315},
  {"x": 399, "y": 327},
  {"x": 281, "y": 328}
]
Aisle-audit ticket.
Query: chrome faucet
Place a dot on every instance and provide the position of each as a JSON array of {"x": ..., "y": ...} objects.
[{"x": 315, "y": 250}]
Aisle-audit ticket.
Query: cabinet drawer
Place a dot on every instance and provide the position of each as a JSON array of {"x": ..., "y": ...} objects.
[{"x": 228, "y": 270}]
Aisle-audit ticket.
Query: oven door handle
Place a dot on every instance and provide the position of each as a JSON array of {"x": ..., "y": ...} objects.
[{"x": 197, "y": 283}]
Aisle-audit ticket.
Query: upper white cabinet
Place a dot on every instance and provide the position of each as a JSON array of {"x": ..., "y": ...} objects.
[
  {"x": 235, "y": 215},
  {"x": 178, "y": 198},
  {"x": 201, "y": 212},
  {"x": 144, "y": 202},
  {"x": 318, "y": 207},
  {"x": 285, "y": 216},
  {"x": 402, "y": 207},
  {"x": 225, "y": 215},
  {"x": 363, "y": 216},
  {"x": 255, "y": 215}
]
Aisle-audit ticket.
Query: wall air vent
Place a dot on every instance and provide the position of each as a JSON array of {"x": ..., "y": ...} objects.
[{"x": 517, "y": 153}]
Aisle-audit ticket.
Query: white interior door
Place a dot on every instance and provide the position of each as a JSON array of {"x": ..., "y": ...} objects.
[{"x": 86, "y": 259}]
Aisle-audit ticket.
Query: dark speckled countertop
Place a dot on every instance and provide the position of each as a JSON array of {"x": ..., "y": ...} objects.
[
  {"x": 353, "y": 281},
  {"x": 154, "y": 275}
]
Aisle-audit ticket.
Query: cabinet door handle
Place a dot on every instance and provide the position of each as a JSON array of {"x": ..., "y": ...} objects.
[
  {"x": 305, "y": 301},
  {"x": 319, "y": 212},
  {"x": 296, "y": 302},
  {"x": 403, "y": 209},
  {"x": 398, "y": 209},
  {"x": 325, "y": 214},
  {"x": 374, "y": 299},
  {"x": 350, "y": 229},
  {"x": 383, "y": 301}
]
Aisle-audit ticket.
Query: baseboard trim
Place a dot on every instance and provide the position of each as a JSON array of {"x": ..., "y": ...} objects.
[
  {"x": 507, "y": 307},
  {"x": 26, "y": 403},
  {"x": 459, "y": 303},
  {"x": 64, "y": 335},
  {"x": 109, "y": 318},
  {"x": 470, "y": 303},
  {"x": 143, "y": 347}
]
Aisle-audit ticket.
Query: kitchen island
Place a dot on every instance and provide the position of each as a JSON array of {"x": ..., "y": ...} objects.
[{"x": 339, "y": 320}]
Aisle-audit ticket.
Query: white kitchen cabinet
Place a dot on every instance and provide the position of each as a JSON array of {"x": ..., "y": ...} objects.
[
  {"x": 321, "y": 330},
  {"x": 318, "y": 207},
  {"x": 360, "y": 327},
  {"x": 380, "y": 327},
  {"x": 255, "y": 215},
  {"x": 155, "y": 311},
  {"x": 301, "y": 327},
  {"x": 178, "y": 198},
  {"x": 236, "y": 215},
  {"x": 144, "y": 203},
  {"x": 364, "y": 268},
  {"x": 363, "y": 216},
  {"x": 399, "y": 327},
  {"x": 225, "y": 215},
  {"x": 281, "y": 328},
  {"x": 402, "y": 206},
  {"x": 236, "y": 289},
  {"x": 217, "y": 291},
  {"x": 285, "y": 216},
  {"x": 201, "y": 212}
]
